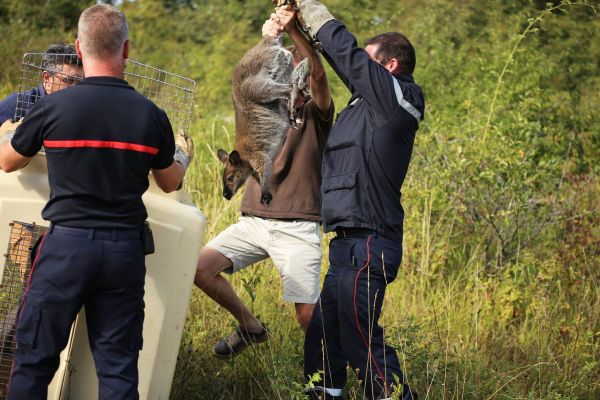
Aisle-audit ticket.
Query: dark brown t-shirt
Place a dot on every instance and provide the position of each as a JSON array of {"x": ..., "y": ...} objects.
[{"x": 296, "y": 173}]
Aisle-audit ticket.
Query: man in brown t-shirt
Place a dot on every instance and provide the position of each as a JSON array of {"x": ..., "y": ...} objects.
[{"x": 288, "y": 230}]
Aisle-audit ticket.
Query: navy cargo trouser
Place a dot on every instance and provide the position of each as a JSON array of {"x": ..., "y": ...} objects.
[
  {"x": 345, "y": 320},
  {"x": 101, "y": 269}
]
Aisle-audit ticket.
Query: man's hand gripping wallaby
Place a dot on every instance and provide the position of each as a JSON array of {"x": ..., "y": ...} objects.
[{"x": 265, "y": 88}]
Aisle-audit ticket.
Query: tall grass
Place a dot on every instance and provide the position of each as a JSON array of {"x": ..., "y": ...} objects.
[
  {"x": 497, "y": 297},
  {"x": 527, "y": 331}
]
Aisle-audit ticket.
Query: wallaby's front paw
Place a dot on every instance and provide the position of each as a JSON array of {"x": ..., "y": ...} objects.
[{"x": 266, "y": 198}]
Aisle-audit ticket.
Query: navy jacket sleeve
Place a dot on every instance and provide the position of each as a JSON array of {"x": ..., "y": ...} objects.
[
  {"x": 362, "y": 75},
  {"x": 339, "y": 73},
  {"x": 29, "y": 136},
  {"x": 7, "y": 107}
]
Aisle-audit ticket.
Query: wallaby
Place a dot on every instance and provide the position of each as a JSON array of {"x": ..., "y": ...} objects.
[{"x": 265, "y": 88}]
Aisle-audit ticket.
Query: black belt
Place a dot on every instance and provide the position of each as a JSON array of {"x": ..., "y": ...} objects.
[
  {"x": 354, "y": 232},
  {"x": 98, "y": 233}
]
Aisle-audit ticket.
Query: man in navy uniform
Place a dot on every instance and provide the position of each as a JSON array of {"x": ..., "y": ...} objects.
[
  {"x": 101, "y": 138},
  {"x": 61, "y": 68},
  {"x": 364, "y": 164}
]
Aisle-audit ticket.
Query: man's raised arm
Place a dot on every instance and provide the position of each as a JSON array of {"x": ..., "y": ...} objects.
[
  {"x": 319, "y": 87},
  {"x": 361, "y": 74}
]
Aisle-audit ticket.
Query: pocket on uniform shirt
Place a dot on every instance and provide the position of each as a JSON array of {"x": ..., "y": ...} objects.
[
  {"x": 28, "y": 324},
  {"x": 340, "y": 198},
  {"x": 339, "y": 182}
]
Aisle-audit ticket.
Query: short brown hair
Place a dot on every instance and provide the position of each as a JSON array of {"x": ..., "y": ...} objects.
[
  {"x": 395, "y": 45},
  {"x": 102, "y": 30}
]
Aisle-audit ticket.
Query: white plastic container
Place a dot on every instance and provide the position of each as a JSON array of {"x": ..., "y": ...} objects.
[{"x": 178, "y": 228}]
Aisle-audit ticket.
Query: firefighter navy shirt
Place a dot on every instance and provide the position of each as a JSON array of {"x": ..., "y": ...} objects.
[{"x": 101, "y": 139}]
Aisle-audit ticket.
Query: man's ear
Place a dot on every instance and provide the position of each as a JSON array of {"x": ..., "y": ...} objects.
[
  {"x": 234, "y": 158},
  {"x": 126, "y": 50},
  {"x": 46, "y": 83},
  {"x": 223, "y": 156},
  {"x": 78, "y": 49},
  {"x": 393, "y": 66}
]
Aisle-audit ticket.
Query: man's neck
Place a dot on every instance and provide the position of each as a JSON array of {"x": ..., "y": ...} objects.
[{"x": 113, "y": 69}]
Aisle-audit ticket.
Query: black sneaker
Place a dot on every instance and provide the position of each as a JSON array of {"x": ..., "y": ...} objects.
[{"x": 234, "y": 344}]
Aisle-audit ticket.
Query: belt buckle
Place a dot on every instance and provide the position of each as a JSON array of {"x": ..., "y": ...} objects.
[{"x": 341, "y": 232}]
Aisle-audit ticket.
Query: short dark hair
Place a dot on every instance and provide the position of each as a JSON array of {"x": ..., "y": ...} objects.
[
  {"x": 58, "y": 54},
  {"x": 394, "y": 45}
]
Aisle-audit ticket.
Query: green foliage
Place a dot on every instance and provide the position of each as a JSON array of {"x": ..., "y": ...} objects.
[{"x": 498, "y": 293}]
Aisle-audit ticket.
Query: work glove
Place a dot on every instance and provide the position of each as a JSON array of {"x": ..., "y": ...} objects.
[
  {"x": 7, "y": 130},
  {"x": 184, "y": 149},
  {"x": 313, "y": 15}
]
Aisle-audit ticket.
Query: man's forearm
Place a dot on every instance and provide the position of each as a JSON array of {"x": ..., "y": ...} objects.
[
  {"x": 169, "y": 179},
  {"x": 319, "y": 87},
  {"x": 305, "y": 50}
]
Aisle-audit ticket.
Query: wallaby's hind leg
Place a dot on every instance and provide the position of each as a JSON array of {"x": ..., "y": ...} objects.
[
  {"x": 301, "y": 73},
  {"x": 299, "y": 83},
  {"x": 262, "y": 169}
]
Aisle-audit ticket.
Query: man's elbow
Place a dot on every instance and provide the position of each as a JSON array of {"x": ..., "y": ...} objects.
[
  {"x": 7, "y": 166},
  {"x": 170, "y": 179},
  {"x": 170, "y": 187},
  {"x": 9, "y": 162}
]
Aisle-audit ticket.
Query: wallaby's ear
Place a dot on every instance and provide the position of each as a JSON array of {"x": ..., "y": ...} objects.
[
  {"x": 234, "y": 158},
  {"x": 222, "y": 154}
]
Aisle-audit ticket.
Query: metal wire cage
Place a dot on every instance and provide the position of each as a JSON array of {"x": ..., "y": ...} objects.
[
  {"x": 45, "y": 73},
  {"x": 17, "y": 268}
]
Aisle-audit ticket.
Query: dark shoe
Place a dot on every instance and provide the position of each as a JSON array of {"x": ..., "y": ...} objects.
[{"x": 234, "y": 344}]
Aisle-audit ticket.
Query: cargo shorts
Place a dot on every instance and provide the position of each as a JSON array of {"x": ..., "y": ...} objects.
[{"x": 294, "y": 246}]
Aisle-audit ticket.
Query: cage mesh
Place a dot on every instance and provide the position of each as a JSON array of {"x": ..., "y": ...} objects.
[
  {"x": 44, "y": 72},
  {"x": 17, "y": 266}
]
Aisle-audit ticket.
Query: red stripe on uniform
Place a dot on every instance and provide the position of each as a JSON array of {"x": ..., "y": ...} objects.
[{"x": 101, "y": 144}]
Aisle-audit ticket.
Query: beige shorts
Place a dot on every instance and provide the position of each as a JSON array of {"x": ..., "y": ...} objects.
[{"x": 294, "y": 247}]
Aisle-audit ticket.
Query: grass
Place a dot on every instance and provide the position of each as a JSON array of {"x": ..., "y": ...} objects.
[{"x": 528, "y": 329}]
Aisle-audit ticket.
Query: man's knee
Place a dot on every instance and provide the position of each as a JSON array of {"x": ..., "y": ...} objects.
[
  {"x": 210, "y": 263},
  {"x": 304, "y": 314}
]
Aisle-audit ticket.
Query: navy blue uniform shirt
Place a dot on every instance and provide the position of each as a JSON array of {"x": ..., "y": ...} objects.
[
  {"x": 8, "y": 105},
  {"x": 101, "y": 139},
  {"x": 369, "y": 148}
]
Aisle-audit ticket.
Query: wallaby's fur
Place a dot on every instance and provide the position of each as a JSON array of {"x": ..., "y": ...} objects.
[{"x": 265, "y": 88}]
